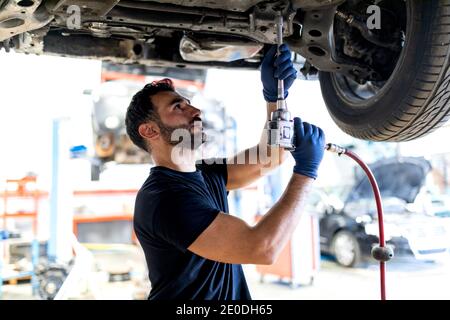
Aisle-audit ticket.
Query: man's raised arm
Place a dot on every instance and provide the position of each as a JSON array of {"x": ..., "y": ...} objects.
[{"x": 229, "y": 239}]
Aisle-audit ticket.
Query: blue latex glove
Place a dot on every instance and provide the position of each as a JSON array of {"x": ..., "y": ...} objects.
[
  {"x": 309, "y": 142},
  {"x": 274, "y": 67}
]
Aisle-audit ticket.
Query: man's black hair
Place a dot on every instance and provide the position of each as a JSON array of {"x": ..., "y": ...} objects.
[{"x": 142, "y": 109}]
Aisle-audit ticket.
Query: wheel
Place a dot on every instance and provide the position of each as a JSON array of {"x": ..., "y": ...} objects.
[
  {"x": 346, "y": 249},
  {"x": 413, "y": 100}
]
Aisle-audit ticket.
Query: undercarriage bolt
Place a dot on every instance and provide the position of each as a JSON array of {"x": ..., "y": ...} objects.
[{"x": 382, "y": 253}]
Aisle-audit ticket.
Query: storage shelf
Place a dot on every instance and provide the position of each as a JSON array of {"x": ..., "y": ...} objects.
[
  {"x": 19, "y": 215},
  {"x": 9, "y": 276},
  {"x": 23, "y": 191}
]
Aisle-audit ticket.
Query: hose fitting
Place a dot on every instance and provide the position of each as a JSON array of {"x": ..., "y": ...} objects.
[
  {"x": 335, "y": 148},
  {"x": 382, "y": 253}
]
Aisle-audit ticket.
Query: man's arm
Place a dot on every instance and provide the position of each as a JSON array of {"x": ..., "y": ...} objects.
[
  {"x": 229, "y": 239},
  {"x": 251, "y": 164}
]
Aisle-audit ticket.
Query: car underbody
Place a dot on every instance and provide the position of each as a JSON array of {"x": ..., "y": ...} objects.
[
  {"x": 375, "y": 82},
  {"x": 202, "y": 33}
]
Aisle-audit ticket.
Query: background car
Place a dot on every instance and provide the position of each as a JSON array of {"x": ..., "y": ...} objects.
[
  {"x": 349, "y": 230},
  {"x": 382, "y": 65}
]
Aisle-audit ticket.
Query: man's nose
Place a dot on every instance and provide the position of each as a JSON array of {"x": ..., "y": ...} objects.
[{"x": 195, "y": 112}]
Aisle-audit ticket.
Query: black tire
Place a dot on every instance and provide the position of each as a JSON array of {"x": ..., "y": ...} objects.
[
  {"x": 346, "y": 249},
  {"x": 415, "y": 100}
]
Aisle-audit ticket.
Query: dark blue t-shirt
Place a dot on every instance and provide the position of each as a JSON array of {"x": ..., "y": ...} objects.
[{"x": 172, "y": 209}]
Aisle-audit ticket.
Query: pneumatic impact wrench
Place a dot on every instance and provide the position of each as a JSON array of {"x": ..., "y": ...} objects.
[{"x": 280, "y": 126}]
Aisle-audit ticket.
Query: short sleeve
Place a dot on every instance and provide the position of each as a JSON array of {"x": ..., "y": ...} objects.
[{"x": 182, "y": 217}]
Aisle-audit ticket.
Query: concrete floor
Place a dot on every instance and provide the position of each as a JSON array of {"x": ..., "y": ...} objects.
[{"x": 406, "y": 280}]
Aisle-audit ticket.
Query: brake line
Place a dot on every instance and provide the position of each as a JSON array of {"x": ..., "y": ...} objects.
[{"x": 381, "y": 253}]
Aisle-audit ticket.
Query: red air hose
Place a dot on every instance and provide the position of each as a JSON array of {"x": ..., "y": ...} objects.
[{"x": 381, "y": 252}]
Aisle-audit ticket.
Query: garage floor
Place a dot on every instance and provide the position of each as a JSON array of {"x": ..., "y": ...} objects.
[{"x": 406, "y": 279}]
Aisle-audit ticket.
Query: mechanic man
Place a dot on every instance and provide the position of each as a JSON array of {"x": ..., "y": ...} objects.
[{"x": 194, "y": 249}]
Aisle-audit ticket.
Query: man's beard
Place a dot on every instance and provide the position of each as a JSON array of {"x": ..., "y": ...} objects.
[{"x": 182, "y": 136}]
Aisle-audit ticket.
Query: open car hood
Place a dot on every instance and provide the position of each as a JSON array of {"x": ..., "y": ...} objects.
[{"x": 400, "y": 178}]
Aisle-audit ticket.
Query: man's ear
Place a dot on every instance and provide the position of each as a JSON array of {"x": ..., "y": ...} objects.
[{"x": 149, "y": 130}]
